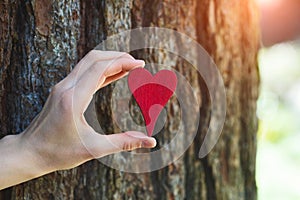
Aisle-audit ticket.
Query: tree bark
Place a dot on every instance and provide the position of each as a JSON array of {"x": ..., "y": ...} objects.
[{"x": 41, "y": 41}]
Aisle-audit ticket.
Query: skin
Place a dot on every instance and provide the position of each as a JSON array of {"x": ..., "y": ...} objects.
[{"x": 59, "y": 137}]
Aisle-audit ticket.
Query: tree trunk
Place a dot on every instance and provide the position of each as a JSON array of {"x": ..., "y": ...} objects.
[{"x": 41, "y": 41}]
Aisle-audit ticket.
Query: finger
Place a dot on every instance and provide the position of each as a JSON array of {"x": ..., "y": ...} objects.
[
  {"x": 91, "y": 58},
  {"x": 98, "y": 54},
  {"x": 102, "y": 145},
  {"x": 113, "y": 78},
  {"x": 95, "y": 77},
  {"x": 94, "y": 56},
  {"x": 123, "y": 65}
]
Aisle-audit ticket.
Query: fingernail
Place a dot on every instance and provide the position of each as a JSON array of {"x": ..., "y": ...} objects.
[
  {"x": 148, "y": 144},
  {"x": 141, "y": 62}
]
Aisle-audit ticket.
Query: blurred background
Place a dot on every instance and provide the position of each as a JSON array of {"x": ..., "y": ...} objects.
[
  {"x": 278, "y": 153},
  {"x": 278, "y": 107}
]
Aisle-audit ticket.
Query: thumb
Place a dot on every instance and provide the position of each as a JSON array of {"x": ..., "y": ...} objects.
[{"x": 104, "y": 145}]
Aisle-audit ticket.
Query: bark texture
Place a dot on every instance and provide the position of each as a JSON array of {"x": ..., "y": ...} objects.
[{"x": 40, "y": 42}]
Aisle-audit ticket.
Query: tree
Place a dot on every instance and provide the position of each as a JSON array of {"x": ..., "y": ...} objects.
[{"x": 42, "y": 40}]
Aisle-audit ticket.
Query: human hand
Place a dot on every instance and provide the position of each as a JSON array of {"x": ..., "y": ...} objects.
[{"x": 59, "y": 137}]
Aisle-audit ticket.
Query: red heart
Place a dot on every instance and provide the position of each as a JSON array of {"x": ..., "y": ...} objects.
[{"x": 151, "y": 92}]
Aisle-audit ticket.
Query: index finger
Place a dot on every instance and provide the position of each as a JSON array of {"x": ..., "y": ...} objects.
[
  {"x": 87, "y": 61},
  {"x": 96, "y": 75}
]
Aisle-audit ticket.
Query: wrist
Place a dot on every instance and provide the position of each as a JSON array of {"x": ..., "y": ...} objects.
[
  {"x": 33, "y": 154},
  {"x": 18, "y": 163}
]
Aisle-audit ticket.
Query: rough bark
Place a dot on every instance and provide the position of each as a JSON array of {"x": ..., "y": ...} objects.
[{"x": 40, "y": 42}]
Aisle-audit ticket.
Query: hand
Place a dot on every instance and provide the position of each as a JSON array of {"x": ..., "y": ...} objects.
[{"x": 59, "y": 137}]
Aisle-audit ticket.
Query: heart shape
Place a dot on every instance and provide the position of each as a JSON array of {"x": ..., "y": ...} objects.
[{"x": 151, "y": 92}]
